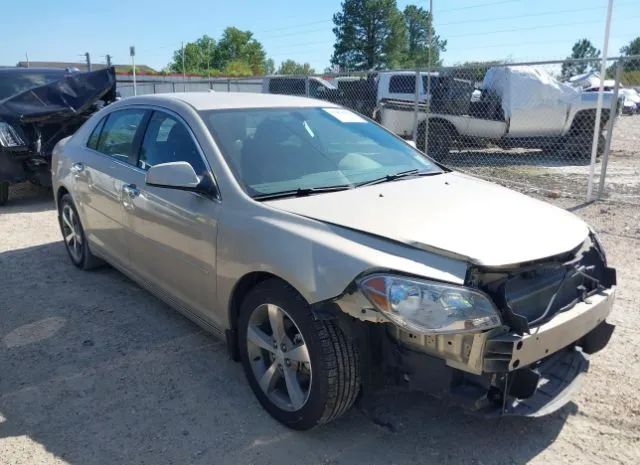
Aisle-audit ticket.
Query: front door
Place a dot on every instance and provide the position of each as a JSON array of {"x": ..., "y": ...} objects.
[{"x": 173, "y": 231}]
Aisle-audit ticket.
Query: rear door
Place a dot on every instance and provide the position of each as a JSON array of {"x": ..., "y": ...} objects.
[
  {"x": 173, "y": 240},
  {"x": 107, "y": 167}
]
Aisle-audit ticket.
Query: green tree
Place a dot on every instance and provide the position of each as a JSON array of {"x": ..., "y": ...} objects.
[
  {"x": 240, "y": 45},
  {"x": 581, "y": 49},
  {"x": 237, "y": 53},
  {"x": 269, "y": 66},
  {"x": 293, "y": 67},
  {"x": 370, "y": 34},
  {"x": 417, "y": 22},
  {"x": 633, "y": 48}
]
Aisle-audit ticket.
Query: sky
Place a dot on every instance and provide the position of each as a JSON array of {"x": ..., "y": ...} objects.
[{"x": 519, "y": 30}]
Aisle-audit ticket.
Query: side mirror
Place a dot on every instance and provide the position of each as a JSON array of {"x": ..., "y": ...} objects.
[{"x": 179, "y": 175}]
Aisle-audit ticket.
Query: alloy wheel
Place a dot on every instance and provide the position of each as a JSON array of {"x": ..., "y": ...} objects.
[
  {"x": 279, "y": 357},
  {"x": 72, "y": 233}
]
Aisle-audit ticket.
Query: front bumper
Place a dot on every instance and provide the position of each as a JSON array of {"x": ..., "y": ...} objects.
[{"x": 500, "y": 372}]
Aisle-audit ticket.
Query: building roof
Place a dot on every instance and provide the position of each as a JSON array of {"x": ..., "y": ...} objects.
[
  {"x": 83, "y": 66},
  {"x": 229, "y": 100}
]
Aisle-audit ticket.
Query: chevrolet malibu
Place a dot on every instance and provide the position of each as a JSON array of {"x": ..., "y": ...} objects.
[{"x": 333, "y": 257}]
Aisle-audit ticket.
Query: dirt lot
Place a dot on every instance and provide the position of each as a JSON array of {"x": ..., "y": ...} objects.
[
  {"x": 94, "y": 370},
  {"x": 551, "y": 172}
]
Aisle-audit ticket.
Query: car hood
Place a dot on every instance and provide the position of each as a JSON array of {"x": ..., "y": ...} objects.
[{"x": 453, "y": 214}]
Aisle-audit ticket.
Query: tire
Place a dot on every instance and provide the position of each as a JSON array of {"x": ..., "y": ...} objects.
[
  {"x": 441, "y": 138},
  {"x": 77, "y": 246},
  {"x": 327, "y": 385},
  {"x": 4, "y": 192},
  {"x": 578, "y": 146}
]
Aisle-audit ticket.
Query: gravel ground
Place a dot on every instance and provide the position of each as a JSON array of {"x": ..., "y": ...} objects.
[
  {"x": 547, "y": 171},
  {"x": 94, "y": 370}
]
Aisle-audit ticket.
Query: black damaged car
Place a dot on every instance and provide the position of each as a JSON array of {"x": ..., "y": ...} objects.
[{"x": 38, "y": 107}]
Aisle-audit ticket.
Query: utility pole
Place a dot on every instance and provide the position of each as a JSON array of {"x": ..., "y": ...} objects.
[
  {"x": 108, "y": 57},
  {"x": 184, "y": 72},
  {"x": 88, "y": 58},
  {"x": 132, "y": 53},
  {"x": 428, "y": 96}
]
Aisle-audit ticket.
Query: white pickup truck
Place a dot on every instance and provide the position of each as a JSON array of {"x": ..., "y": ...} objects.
[{"x": 515, "y": 106}]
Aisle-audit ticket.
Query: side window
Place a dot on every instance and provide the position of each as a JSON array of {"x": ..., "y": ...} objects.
[
  {"x": 92, "y": 143},
  {"x": 118, "y": 134},
  {"x": 402, "y": 84},
  {"x": 167, "y": 140}
]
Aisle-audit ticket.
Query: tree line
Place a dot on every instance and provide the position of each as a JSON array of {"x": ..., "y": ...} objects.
[{"x": 369, "y": 35}]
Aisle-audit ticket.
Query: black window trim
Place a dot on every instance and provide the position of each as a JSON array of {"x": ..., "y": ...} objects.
[{"x": 150, "y": 110}]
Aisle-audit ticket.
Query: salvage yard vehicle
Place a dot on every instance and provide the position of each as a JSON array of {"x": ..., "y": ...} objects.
[
  {"x": 332, "y": 256},
  {"x": 38, "y": 107},
  {"x": 517, "y": 106}
]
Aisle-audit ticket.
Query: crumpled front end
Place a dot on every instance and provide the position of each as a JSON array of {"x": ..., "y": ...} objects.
[
  {"x": 553, "y": 315},
  {"x": 32, "y": 122}
]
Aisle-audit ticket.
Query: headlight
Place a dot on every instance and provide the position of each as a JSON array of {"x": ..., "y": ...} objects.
[
  {"x": 9, "y": 137},
  {"x": 429, "y": 307}
]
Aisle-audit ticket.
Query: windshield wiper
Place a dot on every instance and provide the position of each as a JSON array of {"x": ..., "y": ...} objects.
[
  {"x": 302, "y": 192},
  {"x": 400, "y": 175}
]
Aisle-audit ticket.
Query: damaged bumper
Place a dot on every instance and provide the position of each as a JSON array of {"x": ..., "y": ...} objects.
[{"x": 499, "y": 372}]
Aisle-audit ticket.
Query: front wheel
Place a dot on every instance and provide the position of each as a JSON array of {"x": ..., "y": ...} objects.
[{"x": 303, "y": 371}]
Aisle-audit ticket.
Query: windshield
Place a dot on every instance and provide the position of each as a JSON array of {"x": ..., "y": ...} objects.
[
  {"x": 12, "y": 83},
  {"x": 282, "y": 149}
]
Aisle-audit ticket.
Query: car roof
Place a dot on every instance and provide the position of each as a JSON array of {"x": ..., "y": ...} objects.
[{"x": 231, "y": 100}]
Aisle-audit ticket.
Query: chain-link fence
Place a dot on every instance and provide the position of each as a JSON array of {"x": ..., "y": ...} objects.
[{"x": 539, "y": 126}]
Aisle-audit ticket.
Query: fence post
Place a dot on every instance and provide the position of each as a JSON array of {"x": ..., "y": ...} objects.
[
  {"x": 415, "y": 107},
  {"x": 306, "y": 85},
  {"x": 173, "y": 87},
  {"x": 154, "y": 87},
  {"x": 613, "y": 111},
  {"x": 596, "y": 129},
  {"x": 228, "y": 84}
]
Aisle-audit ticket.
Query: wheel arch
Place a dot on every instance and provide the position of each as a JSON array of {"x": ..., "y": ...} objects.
[
  {"x": 62, "y": 190},
  {"x": 240, "y": 290}
]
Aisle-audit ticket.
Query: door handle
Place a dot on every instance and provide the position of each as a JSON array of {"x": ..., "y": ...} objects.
[
  {"x": 77, "y": 168},
  {"x": 131, "y": 190}
]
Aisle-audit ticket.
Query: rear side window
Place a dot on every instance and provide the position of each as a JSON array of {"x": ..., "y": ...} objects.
[
  {"x": 117, "y": 138},
  {"x": 92, "y": 143},
  {"x": 167, "y": 140},
  {"x": 402, "y": 84}
]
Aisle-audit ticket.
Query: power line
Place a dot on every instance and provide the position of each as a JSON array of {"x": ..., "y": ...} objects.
[{"x": 480, "y": 5}]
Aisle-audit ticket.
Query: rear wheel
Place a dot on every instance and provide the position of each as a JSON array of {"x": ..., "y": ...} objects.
[
  {"x": 4, "y": 192},
  {"x": 303, "y": 371},
  {"x": 75, "y": 240},
  {"x": 440, "y": 136}
]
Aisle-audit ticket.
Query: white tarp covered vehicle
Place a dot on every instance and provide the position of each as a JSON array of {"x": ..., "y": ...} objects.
[{"x": 517, "y": 106}]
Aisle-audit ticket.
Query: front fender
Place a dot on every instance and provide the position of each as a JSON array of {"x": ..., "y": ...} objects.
[{"x": 318, "y": 259}]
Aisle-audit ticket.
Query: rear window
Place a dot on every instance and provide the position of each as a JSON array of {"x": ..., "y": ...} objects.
[{"x": 402, "y": 84}]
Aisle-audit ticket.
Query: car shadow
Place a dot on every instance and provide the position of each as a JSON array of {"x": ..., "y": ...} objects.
[{"x": 96, "y": 370}]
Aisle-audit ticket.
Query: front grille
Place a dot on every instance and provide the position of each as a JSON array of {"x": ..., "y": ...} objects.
[{"x": 533, "y": 294}]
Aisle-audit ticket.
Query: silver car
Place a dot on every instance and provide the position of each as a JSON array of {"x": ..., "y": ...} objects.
[{"x": 334, "y": 257}]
